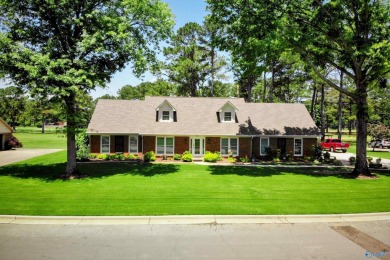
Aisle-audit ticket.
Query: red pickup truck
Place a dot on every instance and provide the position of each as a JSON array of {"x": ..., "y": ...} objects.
[{"x": 334, "y": 144}]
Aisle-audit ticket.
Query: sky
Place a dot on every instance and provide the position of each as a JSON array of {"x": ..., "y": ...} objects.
[{"x": 184, "y": 11}]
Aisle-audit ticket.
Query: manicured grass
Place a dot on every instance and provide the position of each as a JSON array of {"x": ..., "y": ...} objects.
[
  {"x": 42, "y": 141},
  {"x": 30, "y": 188}
]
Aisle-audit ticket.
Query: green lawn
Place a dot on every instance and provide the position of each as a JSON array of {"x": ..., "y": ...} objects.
[
  {"x": 42, "y": 141},
  {"x": 30, "y": 188}
]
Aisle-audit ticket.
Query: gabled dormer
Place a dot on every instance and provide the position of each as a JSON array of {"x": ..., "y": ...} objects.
[
  {"x": 227, "y": 113},
  {"x": 165, "y": 112}
]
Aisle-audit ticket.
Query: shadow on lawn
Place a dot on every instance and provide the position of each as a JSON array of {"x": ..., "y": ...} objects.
[
  {"x": 52, "y": 172},
  {"x": 260, "y": 171}
]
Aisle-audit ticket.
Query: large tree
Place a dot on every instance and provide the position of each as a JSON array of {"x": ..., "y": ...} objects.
[
  {"x": 350, "y": 35},
  {"x": 68, "y": 47}
]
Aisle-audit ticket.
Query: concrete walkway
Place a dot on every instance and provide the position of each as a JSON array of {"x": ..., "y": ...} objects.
[
  {"x": 192, "y": 219},
  {"x": 21, "y": 154}
]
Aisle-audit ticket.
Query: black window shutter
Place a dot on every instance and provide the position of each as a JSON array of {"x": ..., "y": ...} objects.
[
  {"x": 174, "y": 116},
  {"x": 218, "y": 117},
  {"x": 157, "y": 116},
  {"x": 235, "y": 115}
]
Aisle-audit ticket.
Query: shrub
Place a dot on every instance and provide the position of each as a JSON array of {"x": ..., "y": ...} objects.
[
  {"x": 352, "y": 160},
  {"x": 244, "y": 159},
  {"x": 113, "y": 156},
  {"x": 270, "y": 154},
  {"x": 177, "y": 157},
  {"x": 93, "y": 156},
  {"x": 13, "y": 142},
  {"x": 211, "y": 157},
  {"x": 121, "y": 157},
  {"x": 82, "y": 150},
  {"x": 231, "y": 159},
  {"x": 103, "y": 156},
  {"x": 316, "y": 162},
  {"x": 327, "y": 156},
  {"x": 186, "y": 157},
  {"x": 316, "y": 152},
  {"x": 338, "y": 163},
  {"x": 134, "y": 157},
  {"x": 149, "y": 156}
]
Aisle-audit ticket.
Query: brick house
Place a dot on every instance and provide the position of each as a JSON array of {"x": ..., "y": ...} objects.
[
  {"x": 172, "y": 125},
  {"x": 5, "y": 134}
]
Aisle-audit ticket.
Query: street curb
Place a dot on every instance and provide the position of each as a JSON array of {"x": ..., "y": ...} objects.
[{"x": 192, "y": 219}]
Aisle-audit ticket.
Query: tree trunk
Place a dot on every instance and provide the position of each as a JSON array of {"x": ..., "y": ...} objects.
[
  {"x": 313, "y": 103},
  {"x": 361, "y": 165},
  {"x": 43, "y": 123},
  {"x": 322, "y": 112},
  {"x": 271, "y": 88},
  {"x": 265, "y": 87},
  {"x": 340, "y": 108},
  {"x": 71, "y": 165}
]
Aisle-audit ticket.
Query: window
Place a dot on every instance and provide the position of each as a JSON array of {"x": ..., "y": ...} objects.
[
  {"x": 227, "y": 116},
  {"x": 298, "y": 142},
  {"x": 105, "y": 144},
  {"x": 229, "y": 145},
  {"x": 165, "y": 145},
  {"x": 165, "y": 116},
  {"x": 264, "y": 142},
  {"x": 133, "y": 144}
]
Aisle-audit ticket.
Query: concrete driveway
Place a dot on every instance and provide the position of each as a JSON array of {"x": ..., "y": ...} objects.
[
  {"x": 344, "y": 157},
  {"x": 21, "y": 154}
]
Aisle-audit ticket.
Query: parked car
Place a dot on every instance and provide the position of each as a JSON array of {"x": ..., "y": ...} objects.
[
  {"x": 334, "y": 144},
  {"x": 384, "y": 143}
]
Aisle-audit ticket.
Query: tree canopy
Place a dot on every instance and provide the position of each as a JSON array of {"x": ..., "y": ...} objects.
[{"x": 66, "y": 48}]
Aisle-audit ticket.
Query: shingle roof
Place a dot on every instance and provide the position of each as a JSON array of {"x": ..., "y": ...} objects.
[{"x": 198, "y": 116}]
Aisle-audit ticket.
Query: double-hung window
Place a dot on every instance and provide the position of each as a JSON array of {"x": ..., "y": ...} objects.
[
  {"x": 133, "y": 144},
  {"x": 264, "y": 142},
  {"x": 165, "y": 145},
  {"x": 298, "y": 144},
  {"x": 105, "y": 144},
  {"x": 229, "y": 146},
  {"x": 227, "y": 117},
  {"x": 165, "y": 116}
]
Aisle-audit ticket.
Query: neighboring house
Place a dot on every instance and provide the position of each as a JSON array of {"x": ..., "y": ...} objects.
[
  {"x": 172, "y": 125},
  {"x": 5, "y": 134}
]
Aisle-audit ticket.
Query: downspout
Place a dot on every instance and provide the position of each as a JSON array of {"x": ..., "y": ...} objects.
[
  {"x": 142, "y": 144},
  {"x": 251, "y": 148}
]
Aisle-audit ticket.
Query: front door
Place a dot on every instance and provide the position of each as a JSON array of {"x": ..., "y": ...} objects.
[
  {"x": 282, "y": 145},
  {"x": 119, "y": 144},
  {"x": 197, "y": 146}
]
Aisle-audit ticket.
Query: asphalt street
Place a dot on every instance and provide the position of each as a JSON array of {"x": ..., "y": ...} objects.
[{"x": 205, "y": 241}]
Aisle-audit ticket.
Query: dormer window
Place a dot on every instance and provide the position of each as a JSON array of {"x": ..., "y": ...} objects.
[
  {"x": 227, "y": 113},
  {"x": 165, "y": 116},
  {"x": 165, "y": 112},
  {"x": 227, "y": 117}
]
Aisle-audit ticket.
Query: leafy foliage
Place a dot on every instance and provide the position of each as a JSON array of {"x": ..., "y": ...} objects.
[
  {"x": 69, "y": 47},
  {"x": 187, "y": 157},
  {"x": 149, "y": 156},
  {"x": 211, "y": 157}
]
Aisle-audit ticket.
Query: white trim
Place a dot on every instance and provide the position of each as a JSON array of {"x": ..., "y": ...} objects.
[
  {"x": 129, "y": 148},
  {"x": 101, "y": 143},
  {"x": 202, "y": 145},
  {"x": 301, "y": 148},
  {"x": 267, "y": 138},
  {"x": 229, "y": 146},
  {"x": 165, "y": 145}
]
